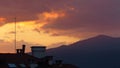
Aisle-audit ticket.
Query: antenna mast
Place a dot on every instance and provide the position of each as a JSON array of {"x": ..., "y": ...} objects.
[{"x": 15, "y": 35}]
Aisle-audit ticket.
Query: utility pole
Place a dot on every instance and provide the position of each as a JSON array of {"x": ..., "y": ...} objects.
[{"x": 15, "y": 34}]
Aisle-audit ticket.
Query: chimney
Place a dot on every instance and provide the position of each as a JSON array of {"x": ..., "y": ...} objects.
[
  {"x": 23, "y": 49},
  {"x": 18, "y": 51},
  {"x": 38, "y": 51}
]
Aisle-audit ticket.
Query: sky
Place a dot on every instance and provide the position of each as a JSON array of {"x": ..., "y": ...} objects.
[{"x": 53, "y": 23}]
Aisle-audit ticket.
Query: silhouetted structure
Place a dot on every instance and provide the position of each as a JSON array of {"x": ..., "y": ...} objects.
[{"x": 22, "y": 60}]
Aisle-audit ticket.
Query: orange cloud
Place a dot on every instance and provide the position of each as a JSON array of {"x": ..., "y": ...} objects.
[
  {"x": 53, "y": 15},
  {"x": 2, "y": 20},
  {"x": 48, "y": 17}
]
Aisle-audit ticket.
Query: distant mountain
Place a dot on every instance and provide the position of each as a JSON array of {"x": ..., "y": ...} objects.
[{"x": 98, "y": 52}]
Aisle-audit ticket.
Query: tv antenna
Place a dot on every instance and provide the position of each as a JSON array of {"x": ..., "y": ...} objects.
[{"x": 15, "y": 42}]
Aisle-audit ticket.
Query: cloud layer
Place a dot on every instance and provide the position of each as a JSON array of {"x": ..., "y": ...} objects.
[
  {"x": 82, "y": 17},
  {"x": 88, "y": 18}
]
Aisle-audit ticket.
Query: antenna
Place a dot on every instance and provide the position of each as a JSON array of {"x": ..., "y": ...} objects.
[{"x": 15, "y": 34}]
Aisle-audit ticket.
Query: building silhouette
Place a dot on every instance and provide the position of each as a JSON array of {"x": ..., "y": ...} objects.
[{"x": 38, "y": 59}]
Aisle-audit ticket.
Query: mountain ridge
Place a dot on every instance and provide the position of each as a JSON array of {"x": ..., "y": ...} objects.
[{"x": 95, "y": 48}]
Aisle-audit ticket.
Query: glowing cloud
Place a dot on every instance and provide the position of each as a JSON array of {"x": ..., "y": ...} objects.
[
  {"x": 2, "y": 21},
  {"x": 48, "y": 17}
]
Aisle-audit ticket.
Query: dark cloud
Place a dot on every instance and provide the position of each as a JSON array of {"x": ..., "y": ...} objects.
[
  {"x": 89, "y": 17},
  {"x": 37, "y": 30},
  {"x": 83, "y": 17},
  {"x": 28, "y": 9},
  {"x": 22, "y": 9}
]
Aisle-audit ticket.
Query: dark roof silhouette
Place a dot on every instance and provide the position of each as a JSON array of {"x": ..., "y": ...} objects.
[
  {"x": 17, "y": 59},
  {"x": 25, "y": 60}
]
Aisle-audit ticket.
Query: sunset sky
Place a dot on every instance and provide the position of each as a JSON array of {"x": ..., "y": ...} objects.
[{"x": 56, "y": 22}]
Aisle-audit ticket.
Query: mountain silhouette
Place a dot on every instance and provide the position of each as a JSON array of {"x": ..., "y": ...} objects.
[{"x": 98, "y": 52}]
